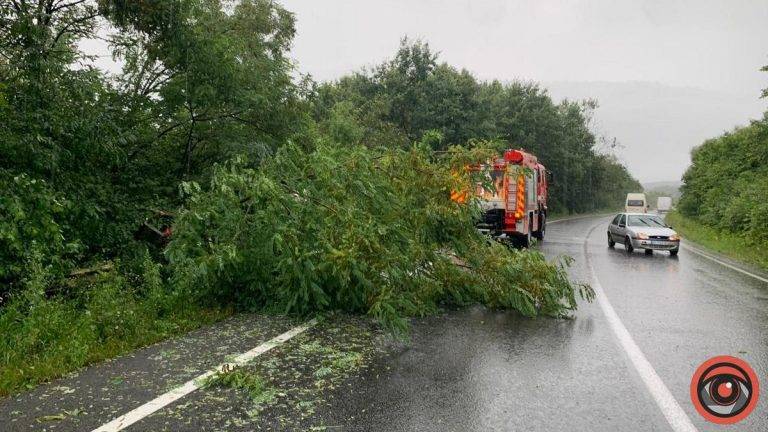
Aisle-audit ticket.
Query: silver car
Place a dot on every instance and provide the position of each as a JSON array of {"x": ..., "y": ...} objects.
[{"x": 643, "y": 231}]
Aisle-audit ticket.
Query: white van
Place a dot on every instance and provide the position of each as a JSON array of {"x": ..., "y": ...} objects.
[
  {"x": 663, "y": 204},
  {"x": 636, "y": 203}
]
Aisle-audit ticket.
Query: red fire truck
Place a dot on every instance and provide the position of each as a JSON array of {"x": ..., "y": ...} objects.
[{"x": 515, "y": 209}]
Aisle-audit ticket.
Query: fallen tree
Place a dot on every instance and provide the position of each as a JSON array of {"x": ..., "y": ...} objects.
[{"x": 357, "y": 229}]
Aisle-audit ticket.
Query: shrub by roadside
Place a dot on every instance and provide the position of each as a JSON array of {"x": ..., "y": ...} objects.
[
  {"x": 98, "y": 317},
  {"x": 736, "y": 246},
  {"x": 726, "y": 186}
]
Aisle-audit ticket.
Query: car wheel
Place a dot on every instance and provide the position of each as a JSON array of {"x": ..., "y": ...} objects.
[
  {"x": 628, "y": 245},
  {"x": 611, "y": 243},
  {"x": 649, "y": 251},
  {"x": 674, "y": 252}
]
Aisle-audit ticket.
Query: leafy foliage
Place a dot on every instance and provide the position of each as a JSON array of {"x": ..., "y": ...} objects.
[
  {"x": 102, "y": 316},
  {"x": 217, "y": 83},
  {"x": 412, "y": 94},
  {"x": 726, "y": 186},
  {"x": 199, "y": 86},
  {"x": 317, "y": 197},
  {"x": 719, "y": 240},
  {"x": 29, "y": 231},
  {"x": 240, "y": 379},
  {"x": 347, "y": 227}
]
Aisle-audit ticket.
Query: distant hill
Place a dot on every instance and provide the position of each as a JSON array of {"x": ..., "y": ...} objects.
[
  {"x": 663, "y": 188},
  {"x": 662, "y": 185},
  {"x": 657, "y": 125}
]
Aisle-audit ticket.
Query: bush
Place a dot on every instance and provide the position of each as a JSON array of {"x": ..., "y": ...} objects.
[
  {"x": 29, "y": 229},
  {"x": 726, "y": 186},
  {"x": 351, "y": 228},
  {"x": 99, "y": 318}
]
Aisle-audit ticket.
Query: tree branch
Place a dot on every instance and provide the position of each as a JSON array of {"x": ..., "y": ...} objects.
[
  {"x": 313, "y": 200},
  {"x": 67, "y": 27},
  {"x": 59, "y": 6}
]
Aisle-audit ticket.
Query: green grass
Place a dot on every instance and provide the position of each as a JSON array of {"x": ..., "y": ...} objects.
[
  {"x": 47, "y": 337},
  {"x": 728, "y": 244}
]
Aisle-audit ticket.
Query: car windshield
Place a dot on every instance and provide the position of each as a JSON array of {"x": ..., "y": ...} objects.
[
  {"x": 649, "y": 221},
  {"x": 635, "y": 203}
]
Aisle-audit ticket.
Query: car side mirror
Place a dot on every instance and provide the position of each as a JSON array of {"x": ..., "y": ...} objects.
[
  {"x": 670, "y": 227},
  {"x": 621, "y": 225}
]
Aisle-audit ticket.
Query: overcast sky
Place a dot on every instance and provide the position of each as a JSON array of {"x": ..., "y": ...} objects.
[{"x": 716, "y": 46}]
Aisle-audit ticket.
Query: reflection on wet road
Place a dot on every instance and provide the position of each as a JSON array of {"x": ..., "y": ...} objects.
[{"x": 482, "y": 370}]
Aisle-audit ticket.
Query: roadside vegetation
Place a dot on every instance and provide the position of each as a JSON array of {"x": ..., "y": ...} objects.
[
  {"x": 204, "y": 178},
  {"x": 725, "y": 192},
  {"x": 413, "y": 94},
  {"x": 721, "y": 241}
]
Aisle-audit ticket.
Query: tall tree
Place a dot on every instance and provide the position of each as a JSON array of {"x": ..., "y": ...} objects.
[
  {"x": 220, "y": 81},
  {"x": 413, "y": 94},
  {"x": 202, "y": 82}
]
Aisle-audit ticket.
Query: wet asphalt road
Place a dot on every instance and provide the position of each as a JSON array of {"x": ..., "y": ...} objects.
[
  {"x": 468, "y": 370},
  {"x": 479, "y": 370}
]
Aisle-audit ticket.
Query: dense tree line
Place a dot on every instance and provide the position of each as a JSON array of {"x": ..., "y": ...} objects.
[
  {"x": 86, "y": 158},
  {"x": 412, "y": 94},
  {"x": 269, "y": 184},
  {"x": 104, "y": 152},
  {"x": 726, "y": 186},
  {"x": 95, "y": 155}
]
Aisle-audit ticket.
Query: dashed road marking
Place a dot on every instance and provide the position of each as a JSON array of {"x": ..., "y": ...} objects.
[
  {"x": 733, "y": 267},
  {"x": 676, "y": 417},
  {"x": 177, "y": 393}
]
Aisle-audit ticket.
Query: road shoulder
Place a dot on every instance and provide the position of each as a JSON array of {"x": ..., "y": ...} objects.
[
  {"x": 726, "y": 247},
  {"x": 92, "y": 396}
]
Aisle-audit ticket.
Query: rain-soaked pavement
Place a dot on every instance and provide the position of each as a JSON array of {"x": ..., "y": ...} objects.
[
  {"x": 469, "y": 370},
  {"x": 478, "y": 370}
]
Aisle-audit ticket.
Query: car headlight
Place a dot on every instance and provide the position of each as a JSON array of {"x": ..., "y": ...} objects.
[
  {"x": 642, "y": 236},
  {"x": 674, "y": 237}
]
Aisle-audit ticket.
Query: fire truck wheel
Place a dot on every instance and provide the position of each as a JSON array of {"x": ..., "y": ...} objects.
[
  {"x": 521, "y": 241},
  {"x": 539, "y": 235}
]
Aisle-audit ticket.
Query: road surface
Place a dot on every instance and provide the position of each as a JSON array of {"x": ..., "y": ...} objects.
[
  {"x": 468, "y": 370},
  {"x": 480, "y": 370}
]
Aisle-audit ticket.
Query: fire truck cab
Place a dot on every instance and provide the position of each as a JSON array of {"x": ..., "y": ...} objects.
[{"x": 516, "y": 208}]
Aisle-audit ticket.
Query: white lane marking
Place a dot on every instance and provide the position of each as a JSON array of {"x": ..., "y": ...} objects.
[
  {"x": 733, "y": 267},
  {"x": 676, "y": 417},
  {"x": 188, "y": 387}
]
